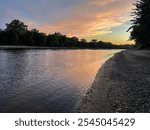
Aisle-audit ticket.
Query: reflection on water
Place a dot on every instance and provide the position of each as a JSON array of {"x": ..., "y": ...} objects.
[{"x": 47, "y": 80}]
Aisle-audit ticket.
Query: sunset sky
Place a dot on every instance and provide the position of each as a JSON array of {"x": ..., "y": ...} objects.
[{"x": 105, "y": 20}]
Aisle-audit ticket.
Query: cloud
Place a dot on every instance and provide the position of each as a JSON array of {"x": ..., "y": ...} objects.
[
  {"x": 92, "y": 18},
  {"x": 81, "y": 18}
]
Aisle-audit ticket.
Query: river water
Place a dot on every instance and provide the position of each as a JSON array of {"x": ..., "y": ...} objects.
[{"x": 47, "y": 80}]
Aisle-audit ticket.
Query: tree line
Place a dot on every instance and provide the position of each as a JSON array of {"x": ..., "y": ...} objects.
[
  {"x": 140, "y": 29},
  {"x": 18, "y": 34}
]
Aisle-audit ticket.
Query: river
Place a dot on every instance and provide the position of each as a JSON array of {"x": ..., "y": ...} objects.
[{"x": 47, "y": 80}]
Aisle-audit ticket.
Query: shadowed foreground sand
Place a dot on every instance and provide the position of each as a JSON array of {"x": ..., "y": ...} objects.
[{"x": 121, "y": 85}]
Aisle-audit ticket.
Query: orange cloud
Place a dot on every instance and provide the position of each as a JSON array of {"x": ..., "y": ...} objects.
[{"x": 96, "y": 17}]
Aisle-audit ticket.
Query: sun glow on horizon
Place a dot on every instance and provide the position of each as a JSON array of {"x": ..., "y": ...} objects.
[{"x": 97, "y": 19}]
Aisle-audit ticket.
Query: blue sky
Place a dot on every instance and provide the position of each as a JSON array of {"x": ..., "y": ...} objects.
[{"x": 100, "y": 19}]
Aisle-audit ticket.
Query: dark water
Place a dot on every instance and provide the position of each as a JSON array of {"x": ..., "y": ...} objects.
[{"x": 47, "y": 80}]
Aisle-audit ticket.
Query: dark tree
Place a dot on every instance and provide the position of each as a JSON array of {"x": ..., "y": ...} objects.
[
  {"x": 94, "y": 40},
  {"x": 53, "y": 40},
  {"x": 83, "y": 40},
  {"x": 15, "y": 31},
  {"x": 74, "y": 41},
  {"x": 2, "y": 36},
  {"x": 140, "y": 29},
  {"x": 16, "y": 26},
  {"x": 37, "y": 38}
]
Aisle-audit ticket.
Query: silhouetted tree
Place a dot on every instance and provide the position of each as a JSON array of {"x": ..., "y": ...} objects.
[
  {"x": 140, "y": 29},
  {"x": 74, "y": 41},
  {"x": 94, "y": 40},
  {"x": 2, "y": 36},
  {"x": 16, "y": 26},
  {"x": 83, "y": 40},
  {"x": 83, "y": 43},
  {"x": 38, "y": 39},
  {"x": 15, "y": 31},
  {"x": 53, "y": 39}
]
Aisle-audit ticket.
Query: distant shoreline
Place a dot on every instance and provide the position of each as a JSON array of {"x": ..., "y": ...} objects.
[
  {"x": 40, "y": 47},
  {"x": 121, "y": 85},
  {"x": 30, "y": 47}
]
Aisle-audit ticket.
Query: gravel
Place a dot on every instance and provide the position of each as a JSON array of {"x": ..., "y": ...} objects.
[{"x": 122, "y": 85}]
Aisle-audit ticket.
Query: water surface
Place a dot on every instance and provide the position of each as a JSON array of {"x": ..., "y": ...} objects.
[{"x": 47, "y": 80}]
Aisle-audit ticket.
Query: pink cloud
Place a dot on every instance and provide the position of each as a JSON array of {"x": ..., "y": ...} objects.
[
  {"x": 90, "y": 19},
  {"x": 93, "y": 18}
]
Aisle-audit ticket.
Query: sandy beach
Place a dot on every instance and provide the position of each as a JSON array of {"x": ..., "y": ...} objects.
[{"x": 121, "y": 85}]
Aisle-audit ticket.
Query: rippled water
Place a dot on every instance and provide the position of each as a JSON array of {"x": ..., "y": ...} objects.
[{"x": 47, "y": 80}]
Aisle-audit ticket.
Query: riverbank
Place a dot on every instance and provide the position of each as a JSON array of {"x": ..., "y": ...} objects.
[
  {"x": 30, "y": 47},
  {"x": 121, "y": 85},
  {"x": 9, "y": 47}
]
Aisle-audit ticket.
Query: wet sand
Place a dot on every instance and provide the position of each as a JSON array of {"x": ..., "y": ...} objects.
[{"x": 121, "y": 85}]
